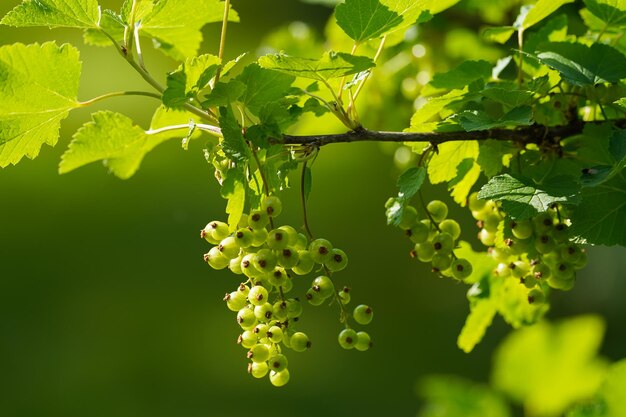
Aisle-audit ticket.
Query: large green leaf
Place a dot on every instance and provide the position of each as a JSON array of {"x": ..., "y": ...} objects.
[
  {"x": 176, "y": 24},
  {"x": 38, "y": 88},
  {"x": 234, "y": 144},
  {"x": 331, "y": 65},
  {"x": 54, "y": 13},
  {"x": 479, "y": 120},
  {"x": 409, "y": 183},
  {"x": 538, "y": 12},
  {"x": 443, "y": 166},
  {"x": 584, "y": 65},
  {"x": 550, "y": 367},
  {"x": 612, "y": 12},
  {"x": 522, "y": 198},
  {"x": 263, "y": 86},
  {"x": 114, "y": 139},
  {"x": 370, "y": 19},
  {"x": 600, "y": 218},
  {"x": 462, "y": 75},
  {"x": 192, "y": 76},
  {"x": 478, "y": 320}
]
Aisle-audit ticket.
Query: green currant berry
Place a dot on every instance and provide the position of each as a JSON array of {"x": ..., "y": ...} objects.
[
  {"x": 277, "y": 277},
  {"x": 244, "y": 237},
  {"x": 259, "y": 237},
  {"x": 461, "y": 268},
  {"x": 258, "y": 219},
  {"x": 541, "y": 271},
  {"x": 235, "y": 301},
  {"x": 229, "y": 247},
  {"x": 314, "y": 298},
  {"x": 338, "y": 260},
  {"x": 347, "y": 338},
  {"x": 279, "y": 379},
  {"x": 475, "y": 204},
  {"x": 215, "y": 259},
  {"x": 536, "y": 296},
  {"x": 278, "y": 362},
  {"x": 451, "y": 227},
  {"x": 424, "y": 251},
  {"x": 323, "y": 286},
  {"x": 264, "y": 312},
  {"x": 246, "y": 318},
  {"x": 363, "y": 314},
  {"x": 582, "y": 261},
  {"x": 302, "y": 242},
  {"x": 292, "y": 234},
  {"x": 321, "y": 250},
  {"x": 247, "y": 266},
  {"x": 519, "y": 269},
  {"x": 409, "y": 217},
  {"x": 544, "y": 244},
  {"x": 257, "y": 295},
  {"x": 438, "y": 210},
  {"x": 299, "y": 342},
  {"x": 277, "y": 239},
  {"x": 272, "y": 206},
  {"x": 288, "y": 257},
  {"x": 247, "y": 339},
  {"x": 235, "y": 265},
  {"x": 443, "y": 243},
  {"x": 344, "y": 295},
  {"x": 559, "y": 282},
  {"x": 305, "y": 263},
  {"x": 491, "y": 222},
  {"x": 294, "y": 308},
  {"x": 265, "y": 260},
  {"x": 486, "y": 237},
  {"x": 279, "y": 311},
  {"x": 503, "y": 270},
  {"x": 441, "y": 262},
  {"x": 560, "y": 233},
  {"x": 364, "y": 342},
  {"x": 215, "y": 231},
  {"x": 258, "y": 369},
  {"x": 543, "y": 223},
  {"x": 419, "y": 233},
  {"x": 571, "y": 253},
  {"x": 275, "y": 334},
  {"x": 521, "y": 229},
  {"x": 259, "y": 353}
]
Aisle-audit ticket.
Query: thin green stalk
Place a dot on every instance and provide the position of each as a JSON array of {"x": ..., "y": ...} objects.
[
  {"x": 520, "y": 44},
  {"x": 223, "y": 37},
  {"x": 303, "y": 200},
  {"x": 379, "y": 51},
  {"x": 118, "y": 94},
  {"x": 343, "y": 79}
]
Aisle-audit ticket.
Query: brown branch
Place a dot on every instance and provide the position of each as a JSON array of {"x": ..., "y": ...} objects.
[{"x": 536, "y": 134}]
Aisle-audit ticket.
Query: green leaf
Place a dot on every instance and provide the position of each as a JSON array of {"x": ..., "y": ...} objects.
[
  {"x": 612, "y": 12},
  {"x": 192, "y": 76},
  {"x": 370, "y": 19},
  {"x": 538, "y": 12},
  {"x": 522, "y": 198},
  {"x": 223, "y": 94},
  {"x": 479, "y": 120},
  {"x": 561, "y": 369},
  {"x": 510, "y": 98},
  {"x": 621, "y": 102},
  {"x": 263, "y": 86},
  {"x": 600, "y": 218},
  {"x": 476, "y": 324},
  {"x": 448, "y": 396},
  {"x": 114, "y": 139},
  {"x": 584, "y": 65},
  {"x": 111, "y": 23},
  {"x": 499, "y": 34},
  {"x": 38, "y": 88},
  {"x": 494, "y": 155},
  {"x": 462, "y": 75},
  {"x": 234, "y": 144},
  {"x": 614, "y": 389},
  {"x": 432, "y": 108},
  {"x": 468, "y": 172},
  {"x": 331, "y": 65},
  {"x": 234, "y": 190},
  {"x": 54, "y": 13},
  {"x": 443, "y": 166},
  {"x": 175, "y": 24},
  {"x": 410, "y": 182}
]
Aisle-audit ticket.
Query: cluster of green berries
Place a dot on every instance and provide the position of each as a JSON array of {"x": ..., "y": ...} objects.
[
  {"x": 535, "y": 251},
  {"x": 270, "y": 258},
  {"x": 435, "y": 238}
]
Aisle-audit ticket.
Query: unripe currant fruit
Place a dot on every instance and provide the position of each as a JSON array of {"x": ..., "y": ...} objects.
[
  {"x": 305, "y": 263},
  {"x": 272, "y": 206},
  {"x": 279, "y": 379},
  {"x": 264, "y": 260},
  {"x": 277, "y": 239},
  {"x": 364, "y": 342},
  {"x": 409, "y": 217},
  {"x": 279, "y": 312},
  {"x": 521, "y": 229},
  {"x": 257, "y": 295},
  {"x": 443, "y": 243},
  {"x": 215, "y": 259},
  {"x": 536, "y": 296},
  {"x": 247, "y": 339},
  {"x": 321, "y": 250},
  {"x": 246, "y": 318},
  {"x": 258, "y": 219},
  {"x": 259, "y": 237},
  {"x": 438, "y": 210},
  {"x": 451, "y": 227},
  {"x": 424, "y": 251},
  {"x": 229, "y": 247},
  {"x": 277, "y": 277},
  {"x": 323, "y": 286},
  {"x": 244, "y": 237},
  {"x": 264, "y": 312},
  {"x": 338, "y": 260},
  {"x": 299, "y": 342},
  {"x": 235, "y": 300},
  {"x": 275, "y": 334},
  {"x": 292, "y": 234},
  {"x": 258, "y": 369},
  {"x": 418, "y": 233},
  {"x": 544, "y": 244},
  {"x": 347, "y": 338},
  {"x": 247, "y": 266},
  {"x": 363, "y": 314},
  {"x": 461, "y": 268},
  {"x": 259, "y": 353},
  {"x": 288, "y": 257},
  {"x": 214, "y": 232}
]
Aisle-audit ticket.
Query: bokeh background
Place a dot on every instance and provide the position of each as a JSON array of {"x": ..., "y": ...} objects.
[{"x": 106, "y": 308}]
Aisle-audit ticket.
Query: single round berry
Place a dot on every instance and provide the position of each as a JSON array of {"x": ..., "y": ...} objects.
[
  {"x": 229, "y": 247},
  {"x": 461, "y": 268},
  {"x": 259, "y": 353},
  {"x": 486, "y": 237},
  {"x": 264, "y": 312},
  {"x": 258, "y": 219},
  {"x": 419, "y": 233},
  {"x": 292, "y": 234},
  {"x": 347, "y": 338},
  {"x": 409, "y": 217},
  {"x": 257, "y": 295},
  {"x": 338, "y": 260},
  {"x": 277, "y": 362},
  {"x": 451, "y": 227},
  {"x": 424, "y": 251},
  {"x": 258, "y": 369},
  {"x": 438, "y": 210},
  {"x": 247, "y": 339},
  {"x": 277, "y": 239},
  {"x": 363, "y": 314},
  {"x": 279, "y": 379},
  {"x": 443, "y": 243},
  {"x": 275, "y": 334},
  {"x": 246, "y": 318},
  {"x": 279, "y": 311},
  {"x": 521, "y": 229},
  {"x": 265, "y": 260},
  {"x": 441, "y": 262},
  {"x": 287, "y": 257},
  {"x": 323, "y": 286},
  {"x": 278, "y": 277},
  {"x": 305, "y": 263},
  {"x": 364, "y": 342},
  {"x": 294, "y": 308},
  {"x": 235, "y": 301},
  {"x": 321, "y": 250},
  {"x": 299, "y": 342},
  {"x": 214, "y": 232},
  {"x": 536, "y": 296},
  {"x": 272, "y": 206},
  {"x": 215, "y": 259}
]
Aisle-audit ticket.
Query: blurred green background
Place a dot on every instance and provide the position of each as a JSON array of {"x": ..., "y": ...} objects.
[{"x": 106, "y": 308}]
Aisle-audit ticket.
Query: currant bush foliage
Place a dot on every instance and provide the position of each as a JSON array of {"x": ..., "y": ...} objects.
[{"x": 527, "y": 132}]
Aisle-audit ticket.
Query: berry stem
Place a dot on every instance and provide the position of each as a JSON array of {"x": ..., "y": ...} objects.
[
  {"x": 303, "y": 200},
  {"x": 222, "y": 38}
]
